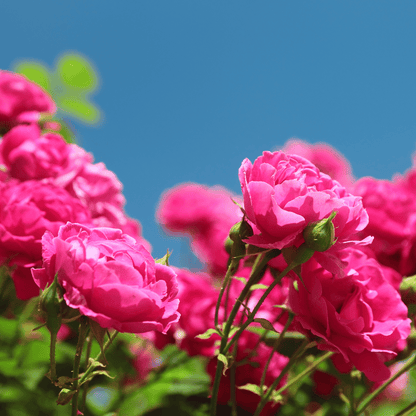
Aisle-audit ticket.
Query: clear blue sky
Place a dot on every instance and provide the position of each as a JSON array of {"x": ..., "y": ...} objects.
[{"x": 191, "y": 88}]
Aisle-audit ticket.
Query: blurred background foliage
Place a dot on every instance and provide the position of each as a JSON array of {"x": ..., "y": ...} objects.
[{"x": 71, "y": 83}]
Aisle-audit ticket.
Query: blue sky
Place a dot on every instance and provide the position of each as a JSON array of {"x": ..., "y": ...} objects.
[{"x": 191, "y": 88}]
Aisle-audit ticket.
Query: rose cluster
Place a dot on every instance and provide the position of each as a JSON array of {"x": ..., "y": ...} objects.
[
  {"x": 346, "y": 299},
  {"x": 61, "y": 214}
]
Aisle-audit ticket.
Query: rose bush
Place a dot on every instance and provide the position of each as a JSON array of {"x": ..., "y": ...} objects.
[{"x": 108, "y": 277}]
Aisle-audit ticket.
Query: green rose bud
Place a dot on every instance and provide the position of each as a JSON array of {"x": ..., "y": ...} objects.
[
  {"x": 320, "y": 235},
  {"x": 50, "y": 304}
]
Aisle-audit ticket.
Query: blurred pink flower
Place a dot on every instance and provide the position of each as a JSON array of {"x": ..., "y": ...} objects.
[
  {"x": 391, "y": 208},
  {"x": 206, "y": 214},
  {"x": 324, "y": 157}
]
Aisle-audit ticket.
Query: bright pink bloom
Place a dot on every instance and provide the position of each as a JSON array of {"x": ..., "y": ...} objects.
[
  {"x": 108, "y": 277},
  {"x": 324, "y": 157},
  {"x": 22, "y": 101},
  {"x": 206, "y": 214},
  {"x": 284, "y": 193},
  {"x": 360, "y": 315},
  {"x": 27, "y": 210}
]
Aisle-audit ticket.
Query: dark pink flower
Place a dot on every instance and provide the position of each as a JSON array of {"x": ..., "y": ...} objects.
[
  {"x": 324, "y": 157},
  {"x": 27, "y": 210},
  {"x": 108, "y": 277},
  {"x": 22, "y": 101},
  {"x": 360, "y": 316},
  {"x": 284, "y": 193},
  {"x": 206, "y": 214}
]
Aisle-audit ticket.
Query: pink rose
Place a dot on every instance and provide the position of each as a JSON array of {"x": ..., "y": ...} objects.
[
  {"x": 360, "y": 316},
  {"x": 206, "y": 214},
  {"x": 284, "y": 193},
  {"x": 391, "y": 208},
  {"x": 22, "y": 101},
  {"x": 324, "y": 157},
  {"x": 108, "y": 277},
  {"x": 28, "y": 155},
  {"x": 27, "y": 210}
]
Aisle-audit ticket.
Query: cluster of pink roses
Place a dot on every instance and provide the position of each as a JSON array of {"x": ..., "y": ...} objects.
[
  {"x": 347, "y": 301},
  {"x": 59, "y": 208},
  {"x": 63, "y": 215}
]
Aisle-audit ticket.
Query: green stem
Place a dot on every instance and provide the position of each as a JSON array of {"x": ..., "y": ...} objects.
[
  {"x": 89, "y": 370},
  {"x": 83, "y": 327},
  {"x": 230, "y": 271},
  {"x": 406, "y": 411},
  {"x": 275, "y": 347},
  {"x": 258, "y": 269},
  {"x": 87, "y": 357},
  {"x": 303, "y": 347},
  {"x": 52, "y": 350},
  {"x": 305, "y": 372},
  {"x": 251, "y": 317},
  {"x": 364, "y": 403}
]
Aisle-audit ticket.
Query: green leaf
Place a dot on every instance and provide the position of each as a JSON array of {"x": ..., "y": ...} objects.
[
  {"x": 65, "y": 396},
  {"x": 259, "y": 286},
  {"x": 265, "y": 324},
  {"x": 208, "y": 333},
  {"x": 223, "y": 359},
  {"x": 254, "y": 388},
  {"x": 80, "y": 107},
  {"x": 76, "y": 72},
  {"x": 164, "y": 260},
  {"x": 35, "y": 72},
  {"x": 240, "y": 279}
]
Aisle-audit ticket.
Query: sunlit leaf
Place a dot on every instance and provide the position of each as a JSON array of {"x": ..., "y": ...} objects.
[
  {"x": 80, "y": 107},
  {"x": 77, "y": 72}
]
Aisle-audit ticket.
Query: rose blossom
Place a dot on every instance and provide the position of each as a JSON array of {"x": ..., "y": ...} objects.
[
  {"x": 27, "y": 210},
  {"x": 360, "y": 316},
  {"x": 108, "y": 277},
  {"x": 207, "y": 214},
  {"x": 22, "y": 101},
  {"x": 28, "y": 155},
  {"x": 324, "y": 157},
  {"x": 284, "y": 193}
]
